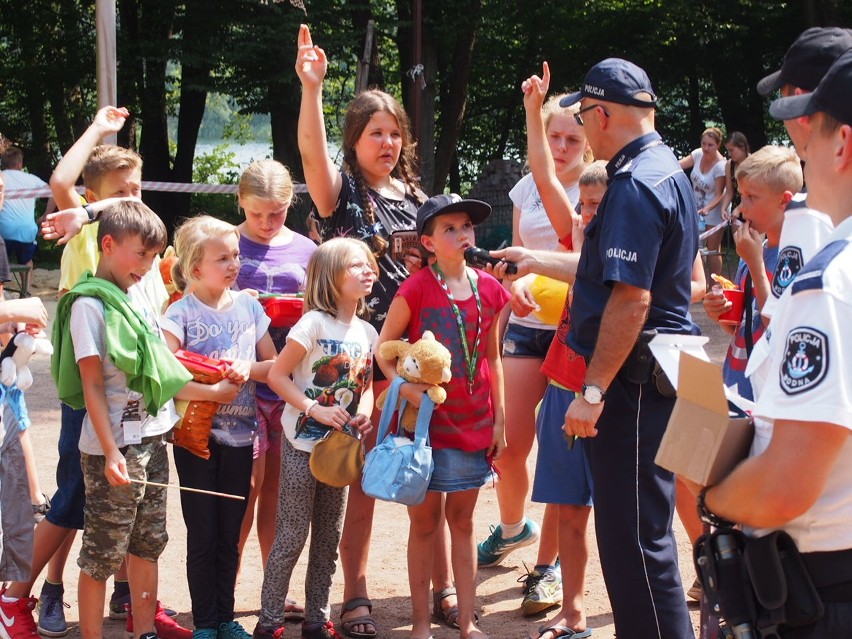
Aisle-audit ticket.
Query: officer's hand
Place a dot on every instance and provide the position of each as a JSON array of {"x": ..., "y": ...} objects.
[{"x": 581, "y": 418}]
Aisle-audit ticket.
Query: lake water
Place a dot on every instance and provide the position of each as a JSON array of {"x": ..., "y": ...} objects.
[{"x": 245, "y": 153}]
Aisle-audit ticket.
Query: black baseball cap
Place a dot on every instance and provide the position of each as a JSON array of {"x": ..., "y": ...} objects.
[
  {"x": 831, "y": 96},
  {"x": 808, "y": 59},
  {"x": 614, "y": 80},
  {"x": 451, "y": 203}
]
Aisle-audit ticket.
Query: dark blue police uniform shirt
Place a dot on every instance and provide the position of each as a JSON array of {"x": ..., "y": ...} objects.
[{"x": 645, "y": 234}]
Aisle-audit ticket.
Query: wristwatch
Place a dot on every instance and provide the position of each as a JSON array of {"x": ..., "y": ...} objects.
[
  {"x": 593, "y": 394},
  {"x": 90, "y": 211}
]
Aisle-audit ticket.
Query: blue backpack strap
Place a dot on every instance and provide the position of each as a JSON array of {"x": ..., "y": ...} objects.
[{"x": 389, "y": 409}]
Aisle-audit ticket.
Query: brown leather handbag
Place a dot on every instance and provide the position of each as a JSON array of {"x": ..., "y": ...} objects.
[
  {"x": 192, "y": 431},
  {"x": 337, "y": 459}
]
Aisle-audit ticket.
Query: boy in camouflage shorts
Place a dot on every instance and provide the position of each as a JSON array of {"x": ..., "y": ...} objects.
[{"x": 111, "y": 359}]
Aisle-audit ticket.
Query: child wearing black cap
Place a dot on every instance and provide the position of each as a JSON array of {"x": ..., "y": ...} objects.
[{"x": 460, "y": 305}]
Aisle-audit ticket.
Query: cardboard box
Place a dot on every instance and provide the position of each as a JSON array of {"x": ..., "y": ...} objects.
[{"x": 708, "y": 432}]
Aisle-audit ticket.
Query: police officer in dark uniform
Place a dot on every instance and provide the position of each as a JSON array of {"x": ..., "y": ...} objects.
[{"x": 633, "y": 278}]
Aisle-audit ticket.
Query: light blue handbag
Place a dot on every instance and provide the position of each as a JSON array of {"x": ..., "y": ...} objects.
[{"x": 398, "y": 469}]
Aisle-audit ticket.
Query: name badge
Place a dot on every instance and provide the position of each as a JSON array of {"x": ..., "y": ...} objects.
[{"x": 132, "y": 431}]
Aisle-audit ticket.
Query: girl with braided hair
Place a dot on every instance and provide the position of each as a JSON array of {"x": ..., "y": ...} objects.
[{"x": 373, "y": 195}]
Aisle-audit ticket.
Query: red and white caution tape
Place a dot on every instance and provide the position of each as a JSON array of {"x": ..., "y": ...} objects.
[{"x": 168, "y": 187}]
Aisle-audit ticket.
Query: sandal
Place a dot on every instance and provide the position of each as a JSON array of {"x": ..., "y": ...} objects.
[
  {"x": 347, "y": 625},
  {"x": 563, "y": 631},
  {"x": 293, "y": 611},
  {"x": 450, "y": 616}
]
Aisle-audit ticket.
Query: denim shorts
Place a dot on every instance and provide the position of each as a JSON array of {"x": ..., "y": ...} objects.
[
  {"x": 523, "y": 341},
  {"x": 67, "y": 503},
  {"x": 457, "y": 470},
  {"x": 562, "y": 476}
]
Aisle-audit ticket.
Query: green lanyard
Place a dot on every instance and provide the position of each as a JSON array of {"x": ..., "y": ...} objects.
[{"x": 470, "y": 361}]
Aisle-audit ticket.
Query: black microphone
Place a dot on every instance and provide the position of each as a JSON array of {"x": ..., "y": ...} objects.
[{"x": 480, "y": 257}]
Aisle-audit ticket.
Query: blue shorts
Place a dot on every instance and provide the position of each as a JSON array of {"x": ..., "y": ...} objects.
[
  {"x": 21, "y": 252},
  {"x": 562, "y": 476},
  {"x": 523, "y": 341},
  {"x": 457, "y": 470},
  {"x": 66, "y": 505}
]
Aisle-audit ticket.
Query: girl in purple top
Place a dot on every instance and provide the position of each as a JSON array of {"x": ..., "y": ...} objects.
[{"x": 273, "y": 259}]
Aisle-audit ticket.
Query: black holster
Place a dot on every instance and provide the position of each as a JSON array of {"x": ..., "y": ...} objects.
[
  {"x": 641, "y": 366},
  {"x": 759, "y": 584}
]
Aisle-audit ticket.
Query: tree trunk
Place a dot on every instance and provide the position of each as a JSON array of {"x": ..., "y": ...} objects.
[{"x": 454, "y": 97}]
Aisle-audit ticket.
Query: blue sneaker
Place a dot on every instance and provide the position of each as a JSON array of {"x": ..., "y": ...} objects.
[
  {"x": 51, "y": 611},
  {"x": 231, "y": 630},
  {"x": 495, "y": 549},
  {"x": 205, "y": 633}
]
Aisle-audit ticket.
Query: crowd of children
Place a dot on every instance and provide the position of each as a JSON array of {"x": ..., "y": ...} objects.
[{"x": 116, "y": 337}]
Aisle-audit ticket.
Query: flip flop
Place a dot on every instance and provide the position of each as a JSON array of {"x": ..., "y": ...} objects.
[
  {"x": 563, "y": 631},
  {"x": 449, "y": 616}
]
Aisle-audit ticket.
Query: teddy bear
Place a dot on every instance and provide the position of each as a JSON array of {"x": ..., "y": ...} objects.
[
  {"x": 426, "y": 361},
  {"x": 14, "y": 360}
]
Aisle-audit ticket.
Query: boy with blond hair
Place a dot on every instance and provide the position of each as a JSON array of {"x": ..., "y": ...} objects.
[
  {"x": 767, "y": 180},
  {"x": 127, "y": 396}
]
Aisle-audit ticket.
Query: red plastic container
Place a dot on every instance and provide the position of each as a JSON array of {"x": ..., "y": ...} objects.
[
  {"x": 204, "y": 369},
  {"x": 283, "y": 310},
  {"x": 734, "y": 315}
]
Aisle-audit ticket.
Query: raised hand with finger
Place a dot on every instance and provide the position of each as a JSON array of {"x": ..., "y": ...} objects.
[{"x": 311, "y": 61}]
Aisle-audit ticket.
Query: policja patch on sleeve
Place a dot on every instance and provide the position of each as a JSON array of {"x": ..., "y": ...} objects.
[{"x": 805, "y": 360}]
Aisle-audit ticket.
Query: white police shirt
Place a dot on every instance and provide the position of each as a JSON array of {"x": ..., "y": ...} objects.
[
  {"x": 809, "y": 360},
  {"x": 803, "y": 234}
]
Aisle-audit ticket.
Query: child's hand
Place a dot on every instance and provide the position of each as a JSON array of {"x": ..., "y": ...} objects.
[
  {"x": 498, "y": 441},
  {"x": 29, "y": 310},
  {"x": 238, "y": 371},
  {"x": 115, "y": 469},
  {"x": 535, "y": 90},
  {"x": 523, "y": 302},
  {"x": 715, "y": 303},
  {"x": 63, "y": 225},
  {"x": 334, "y": 416},
  {"x": 749, "y": 246},
  {"x": 413, "y": 393},
  {"x": 413, "y": 260},
  {"x": 311, "y": 62},
  {"x": 361, "y": 423},
  {"x": 110, "y": 119},
  {"x": 225, "y": 391}
]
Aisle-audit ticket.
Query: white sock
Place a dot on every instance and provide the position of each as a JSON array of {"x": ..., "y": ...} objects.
[
  {"x": 9, "y": 599},
  {"x": 512, "y": 530}
]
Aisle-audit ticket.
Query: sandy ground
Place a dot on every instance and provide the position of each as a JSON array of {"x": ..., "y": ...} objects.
[{"x": 498, "y": 593}]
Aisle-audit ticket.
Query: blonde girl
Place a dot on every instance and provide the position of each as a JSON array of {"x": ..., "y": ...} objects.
[
  {"x": 708, "y": 186},
  {"x": 273, "y": 259},
  {"x": 324, "y": 374},
  {"x": 216, "y": 321},
  {"x": 544, "y": 218}
]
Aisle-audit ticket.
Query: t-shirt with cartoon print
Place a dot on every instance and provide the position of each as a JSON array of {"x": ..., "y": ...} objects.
[
  {"x": 228, "y": 333},
  {"x": 336, "y": 369}
]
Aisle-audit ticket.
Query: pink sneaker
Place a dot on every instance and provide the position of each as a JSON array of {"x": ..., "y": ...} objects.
[
  {"x": 166, "y": 627},
  {"x": 16, "y": 618}
]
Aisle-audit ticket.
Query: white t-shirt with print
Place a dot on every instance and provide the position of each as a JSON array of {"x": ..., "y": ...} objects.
[{"x": 337, "y": 369}]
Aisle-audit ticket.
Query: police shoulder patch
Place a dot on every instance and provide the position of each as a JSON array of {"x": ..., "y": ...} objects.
[
  {"x": 805, "y": 360},
  {"x": 789, "y": 264}
]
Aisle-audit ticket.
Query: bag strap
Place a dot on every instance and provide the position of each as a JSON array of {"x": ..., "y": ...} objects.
[
  {"x": 424, "y": 416},
  {"x": 389, "y": 409}
]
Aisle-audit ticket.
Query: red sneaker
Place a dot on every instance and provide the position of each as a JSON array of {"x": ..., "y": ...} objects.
[
  {"x": 166, "y": 627},
  {"x": 16, "y": 618}
]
